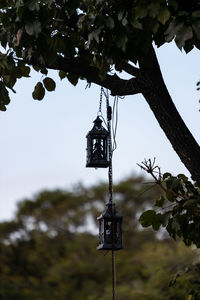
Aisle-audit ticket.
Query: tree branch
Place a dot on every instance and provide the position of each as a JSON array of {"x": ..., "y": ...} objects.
[
  {"x": 131, "y": 69},
  {"x": 114, "y": 83}
]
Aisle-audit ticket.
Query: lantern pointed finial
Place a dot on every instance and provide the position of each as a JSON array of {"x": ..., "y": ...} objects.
[{"x": 97, "y": 121}]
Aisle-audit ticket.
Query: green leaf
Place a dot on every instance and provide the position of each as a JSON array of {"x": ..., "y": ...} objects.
[
  {"x": 4, "y": 97},
  {"x": 183, "y": 35},
  {"x": 165, "y": 218},
  {"x": 176, "y": 209},
  {"x": 2, "y": 107},
  {"x": 94, "y": 35},
  {"x": 196, "y": 14},
  {"x": 174, "y": 27},
  {"x": 49, "y": 84},
  {"x": 166, "y": 175},
  {"x": 173, "y": 4},
  {"x": 109, "y": 22},
  {"x": 120, "y": 15},
  {"x": 189, "y": 202},
  {"x": 164, "y": 15},
  {"x": 36, "y": 68},
  {"x": 62, "y": 74},
  {"x": 196, "y": 28},
  {"x": 25, "y": 70},
  {"x": 183, "y": 177},
  {"x": 19, "y": 3},
  {"x": 136, "y": 24},
  {"x": 39, "y": 91},
  {"x": 170, "y": 196},
  {"x": 160, "y": 202},
  {"x": 153, "y": 9},
  {"x": 122, "y": 41},
  {"x": 156, "y": 222},
  {"x": 155, "y": 27},
  {"x": 33, "y": 5},
  {"x": 141, "y": 12},
  {"x": 150, "y": 218},
  {"x": 9, "y": 81},
  {"x": 188, "y": 297},
  {"x": 175, "y": 225},
  {"x": 173, "y": 182},
  {"x": 33, "y": 28},
  {"x": 124, "y": 21},
  {"x": 43, "y": 70},
  {"x": 73, "y": 78},
  {"x": 147, "y": 218}
]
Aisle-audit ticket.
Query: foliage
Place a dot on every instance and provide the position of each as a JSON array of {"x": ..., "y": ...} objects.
[
  {"x": 47, "y": 252},
  {"x": 178, "y": 209},
  {"x": 102, "y": 34}
]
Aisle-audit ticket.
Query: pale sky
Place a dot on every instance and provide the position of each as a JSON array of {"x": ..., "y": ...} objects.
[{"x": 43, "y": 143}]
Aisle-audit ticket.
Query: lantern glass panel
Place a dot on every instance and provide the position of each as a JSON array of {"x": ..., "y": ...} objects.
[
  {"x": 108, "y": 232},
  {"x": 99, "y": 149},
  {"x": 118, "y": 232},
  {"x": 101, "y": 231}
]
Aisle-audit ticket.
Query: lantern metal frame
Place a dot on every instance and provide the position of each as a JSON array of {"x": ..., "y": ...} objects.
[
  {"x": 97, "y": 146},
  {"x": 110, "y": 229}
]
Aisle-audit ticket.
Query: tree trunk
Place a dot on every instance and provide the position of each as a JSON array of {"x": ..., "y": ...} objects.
[{"x": 156, "y": 94}]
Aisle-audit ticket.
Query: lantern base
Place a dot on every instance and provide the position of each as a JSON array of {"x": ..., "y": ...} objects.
[
  {"x": 109, "y": 247},
  {"x": 97, "y": 164}
]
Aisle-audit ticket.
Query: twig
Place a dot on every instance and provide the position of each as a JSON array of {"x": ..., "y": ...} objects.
[{"x": 150, "y": 167}]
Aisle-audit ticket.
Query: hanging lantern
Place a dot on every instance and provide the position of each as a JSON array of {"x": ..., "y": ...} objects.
[
  {"x": 110, "y": 229},
  {"x": 97, "y": 146}
]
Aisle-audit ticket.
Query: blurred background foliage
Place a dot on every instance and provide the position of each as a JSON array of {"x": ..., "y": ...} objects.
[{"x": 48, "y": 251}]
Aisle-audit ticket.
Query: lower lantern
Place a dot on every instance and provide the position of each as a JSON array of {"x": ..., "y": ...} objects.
[{"x": 110, "y": 229}]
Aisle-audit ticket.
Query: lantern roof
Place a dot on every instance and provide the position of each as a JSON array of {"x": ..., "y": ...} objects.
[
  {"x": 98, "y": 128},
  {"x": 107, "y": 213}
]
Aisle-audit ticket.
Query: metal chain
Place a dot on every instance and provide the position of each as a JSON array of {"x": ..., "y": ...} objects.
[{"x": 100, "y": 102}]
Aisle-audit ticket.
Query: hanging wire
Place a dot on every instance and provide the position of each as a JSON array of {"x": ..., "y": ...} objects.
[
  {"x": 114, "y": 115},
  {"x": 111, "y": 124},
  {"x": 115, "y": 122},
  {"x": 110, "y": 177}
]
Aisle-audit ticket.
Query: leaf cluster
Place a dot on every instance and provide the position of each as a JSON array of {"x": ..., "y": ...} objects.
[
  {"x": 178, "y": 209},
  {"x": 102, "y": 34}
]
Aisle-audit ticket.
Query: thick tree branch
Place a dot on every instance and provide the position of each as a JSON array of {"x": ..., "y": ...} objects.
[
  {"x": 156, "y": 94},
  {"x": 116, "y": 85}
]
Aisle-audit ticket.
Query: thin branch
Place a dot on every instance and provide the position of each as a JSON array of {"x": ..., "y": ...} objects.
[{"x": 150, "y": 167}]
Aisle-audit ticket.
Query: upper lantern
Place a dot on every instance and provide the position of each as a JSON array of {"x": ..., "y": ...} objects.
[{"x": 97, "y": 146}]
